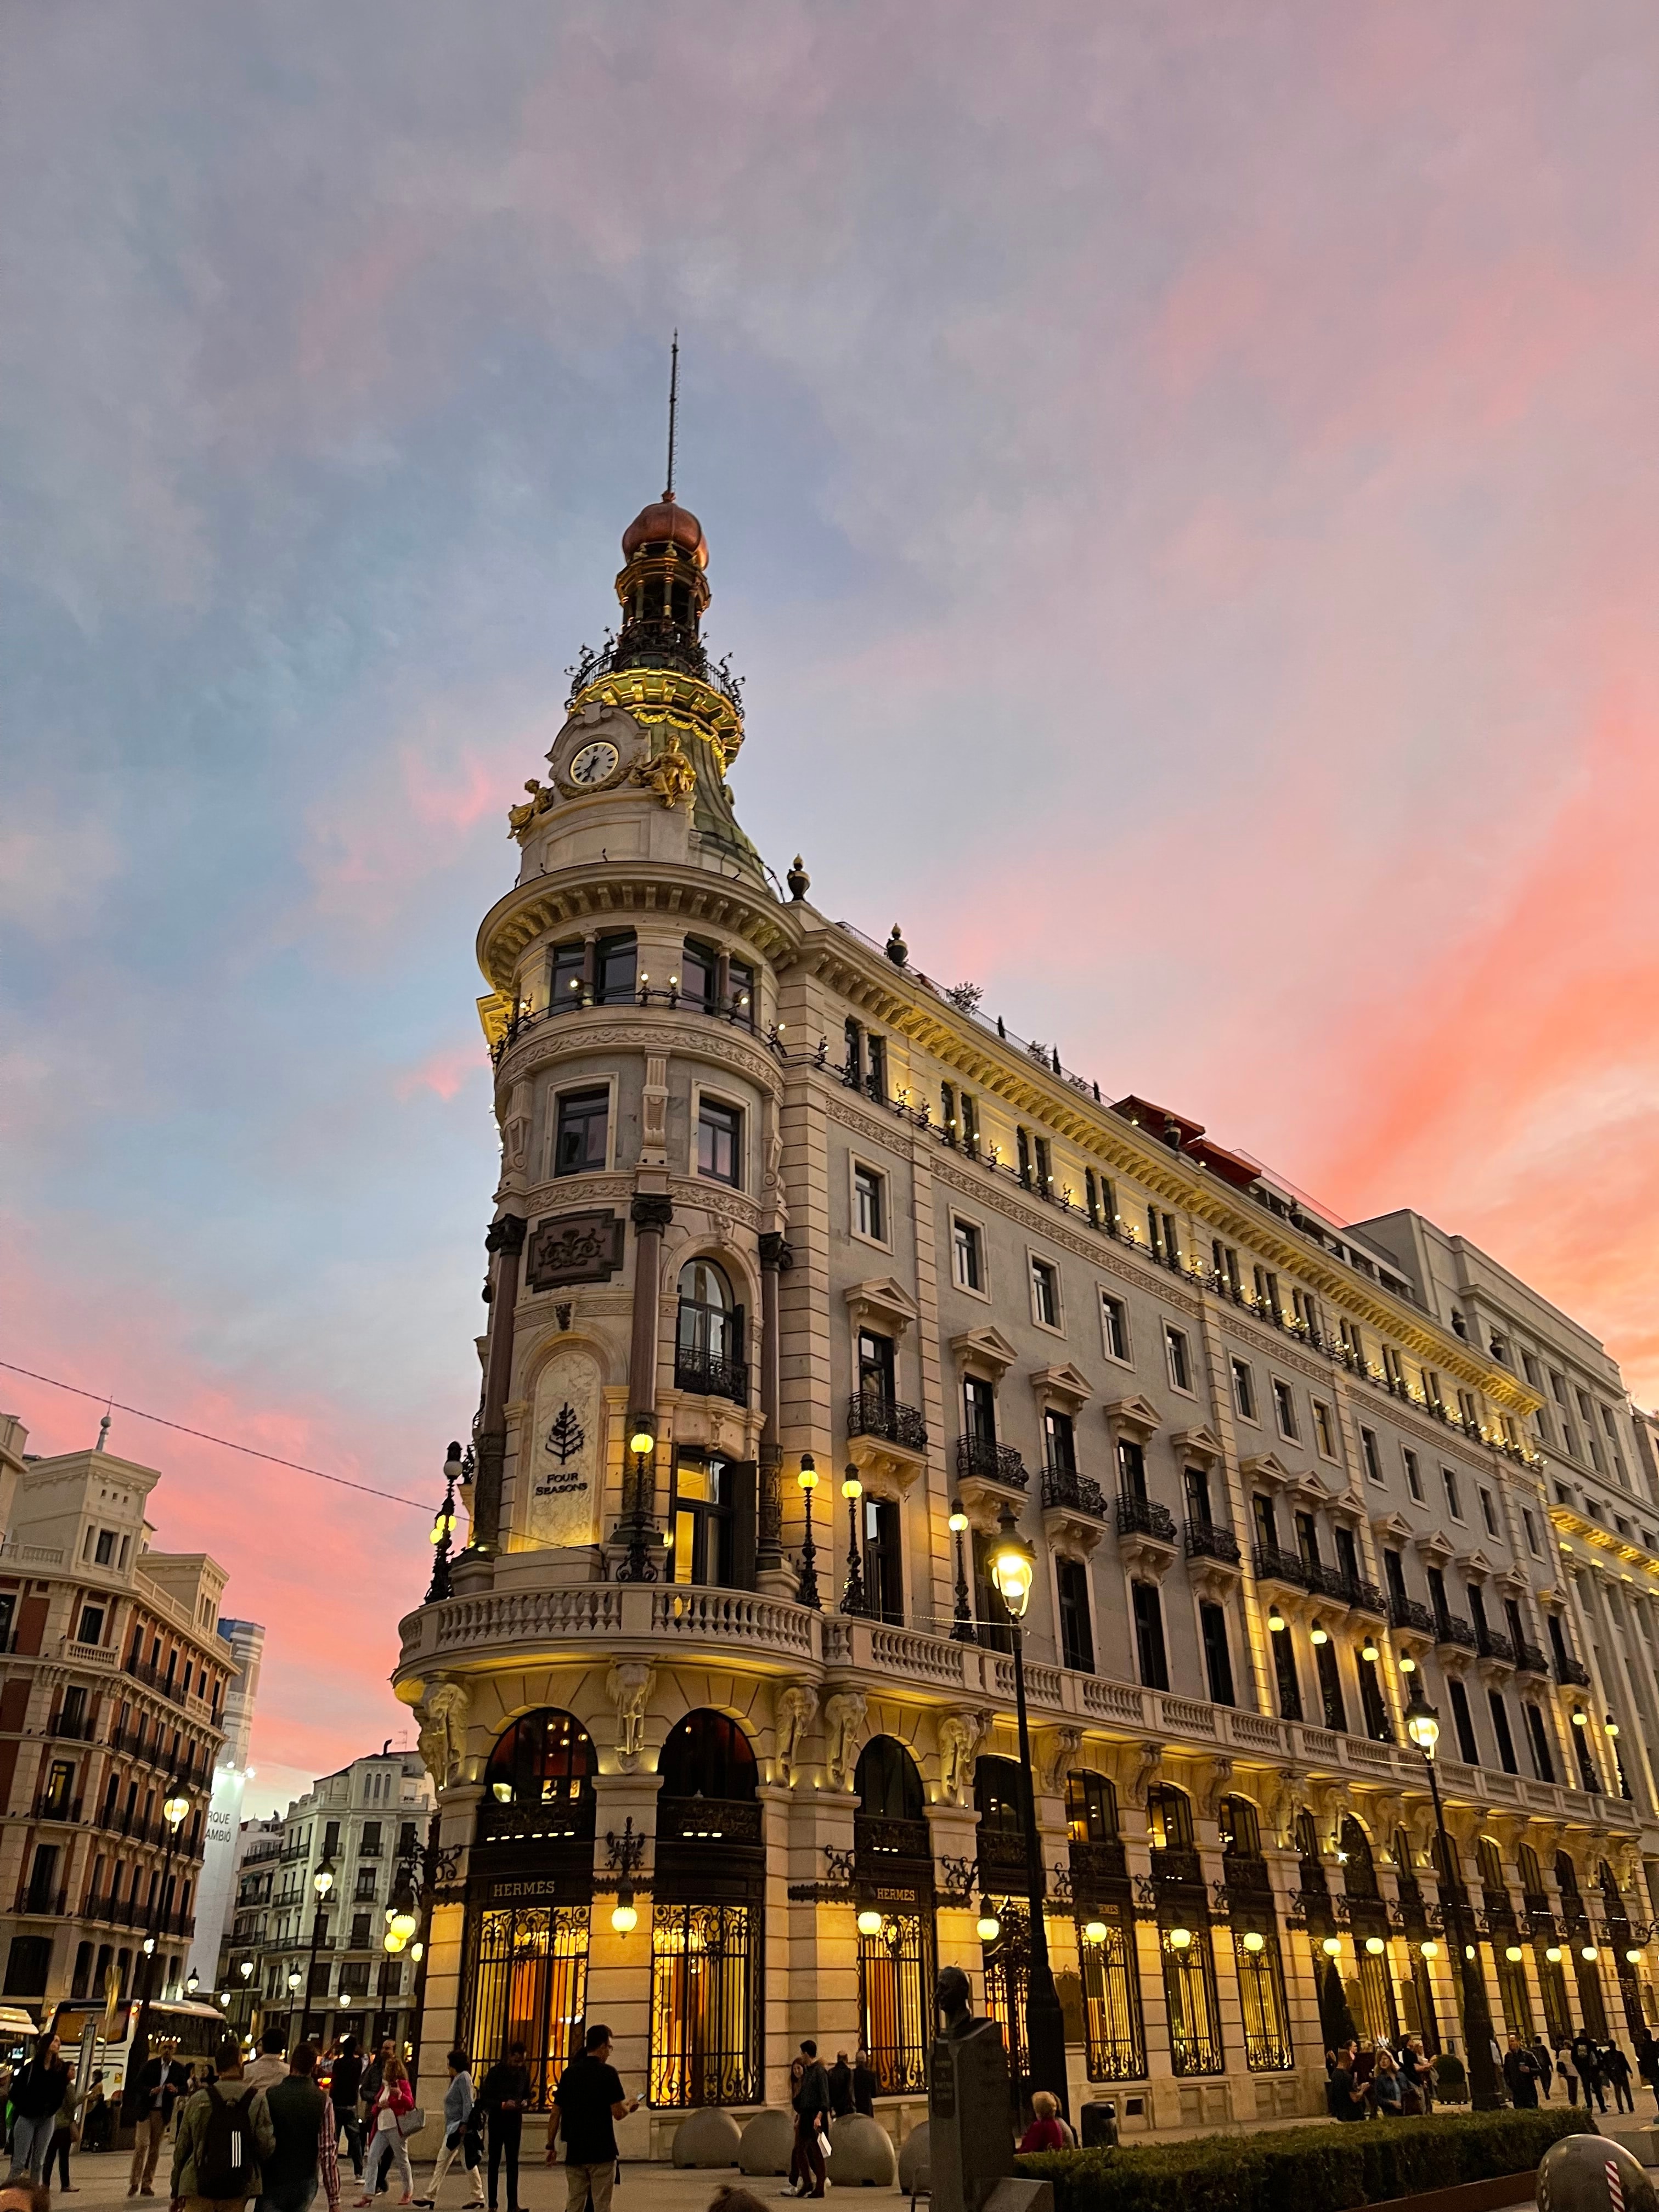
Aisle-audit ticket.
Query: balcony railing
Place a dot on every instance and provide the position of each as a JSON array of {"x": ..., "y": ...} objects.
[
  {"x": 1272, "y": 1563},
  {"x": 127, "y": 1913},
  {"x": 1205, "y": 1540},
  {"x": 1573, "y": 1672},
  {"x": 1366, "y": 1597},
  {"x": 49, "y": 1808},
  {"x": 710, "y": 1377},
  {"x": 1530, "y": 1660},
  {"x": 868, "y": 1415},
  {"x": 42, "y": 1903},
  {"x": 1244, "y": 1876},
  {"x": 1145, "y": 1516},
  {"x": 154, "y": 1678},
  {"x": 1096, "y": 1866},
  {"x": 1491, "y": 1645},
  {"x": 1001, "y": 1854},
  {"x": 707, "y": 1819},
  {"x": 1326, "y": 1582},
  {"x": 994, "y": 1462},
  {"x": 1452, "y": 1628},
  {"x": 80, "y": 1731},
  {"x": 1064, "y": 1487},
  {"x": 1179, "y": 1866},
  {"x": 1406, "y": 1613}
]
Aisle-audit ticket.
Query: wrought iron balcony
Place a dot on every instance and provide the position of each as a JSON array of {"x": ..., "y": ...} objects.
[
  {"x": 875, "y": 1836},
  {"x": 994, "y": 1462},
  {"x": 655, "y": 642},
  {"x": 1366, "y": 1597},
  {"x": 870, "y": 1416},
  {"x": 1064, "y": 1486},
  {"x": 1178, "y": 1867},
  {"x": 1244, "y": 1876},
  {"x": 1205, "y": 1540},
  {"x": 1491, "y": 1645},
  {"x": 1452, "y": 1628},
  {"x": 47, "y": 1806},
  {"x": 1573, "y": 1672},
  {"x": 709, "y": 1376},
  {"x": 1406, "y": 1613},
  {"x": 80, "y": 1731},
  {"x": 1530, "y": 1660},
  {"x": 1095, "y": 1867},
  {"x": 1272, "y": 1563},
  {"x": 1001, "y": 1854},
  {"x": 1327, "y": 1582},
  {"x": 708, "y": 1819},
  {"x": 1145, "y": 1516}
]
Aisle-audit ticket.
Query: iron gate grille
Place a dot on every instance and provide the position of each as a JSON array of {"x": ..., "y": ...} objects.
[
  {"x": 705, "y": 2011},
  {"x": 1261, "y": 2001},
  {"x": 1552, "y": 1988},
  {"x": 1190, "y": 1993},
  {"x": 896, "y": 1981},
  {"x": 1007, "y": 1979},
  {"x": 1115, "y": 2035},
  {"x": 1512, "y": 1989},
  {"x": 1377, "y": 2014},
  {"x": 527, "y": 1983}
]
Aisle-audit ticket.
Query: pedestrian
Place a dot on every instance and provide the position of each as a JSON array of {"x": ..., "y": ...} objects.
[
  {"x": 1541, "y": 2051},
  {"x": 392, "y": 2099},
  {"x": 345, "y": 2083},
  {"x": 270, "y": 2067},
  {"x": 1647, "y": 2062},
  {"x": 36, "y": 2095},
  {"x": 95, "y": 2115},
  {"x": 1615, "y": 2067},
  {"x": 224, "y": 2132},
  {"x": 1347, "y": 2091},
  {"x": 1047, "y": 2131},
  {"x": 841, "y": 2087},
  {"x": 866, "y": 2084},
  {"x": 460, "y": 2136},
  {"x": 797, "y": 2075},
  {"x": 504, "y": 2093},
  {"x": 374, "y": 2075},
  {"x": 1521, "y": 2075},
  {"x": 1567, "y": 2069},
  {"x": 1416, "y": 2074},
  {"x": 303, "y": 2123},
  {"x": 813, "y": 2123},
  {"x": 1388, "y": 2086},
  {"x": 1588, "y": 2067},
  {"x": 587, "y": 2104}
]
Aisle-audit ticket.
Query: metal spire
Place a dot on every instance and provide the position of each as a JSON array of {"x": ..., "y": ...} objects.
[{"x": 673, "y": 407}]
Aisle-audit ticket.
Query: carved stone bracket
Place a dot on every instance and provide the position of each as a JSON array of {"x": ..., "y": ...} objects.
[{"x": 630, "y": 1682}]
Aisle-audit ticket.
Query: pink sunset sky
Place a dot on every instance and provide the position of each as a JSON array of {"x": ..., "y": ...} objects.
[{"x": 1181, "y": 492}]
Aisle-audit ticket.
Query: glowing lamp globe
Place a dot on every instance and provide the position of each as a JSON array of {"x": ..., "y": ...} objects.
[
  {"x": 1254, "y": 1940},
  {"x": 869, "y": 1922},
  {"x": 625, "y": 1918}
]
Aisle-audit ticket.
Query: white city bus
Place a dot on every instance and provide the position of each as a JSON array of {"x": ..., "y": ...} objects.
[{"x": 187, "y": 2031}]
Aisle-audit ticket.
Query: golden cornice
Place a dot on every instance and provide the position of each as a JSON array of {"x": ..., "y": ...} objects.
[
  {"x": 667, "y": 695},
  {"x": 1570, "y": 1522},
  {"x": 626, "y": 890}
]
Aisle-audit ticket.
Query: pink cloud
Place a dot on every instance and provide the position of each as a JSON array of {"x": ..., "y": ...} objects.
[{"x": 443, "y": 1072}]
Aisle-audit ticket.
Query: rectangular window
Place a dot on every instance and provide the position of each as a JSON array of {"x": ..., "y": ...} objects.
[
  {"x": 1243, "y": 1389},
  {"x": 1284, "y": 1409},
  {"x": 969, "y": 1124},
  {"x": 1373, "y": 1462},
  {"x": 876, "y": 1085},
  {"x": 1148, "y": 1635},
  {"x": 1488, "y": 1512},
  {"x": 1290, "y": 1690},
  {"x": 1324, "y": 1429},
  {"x": 106, "y": 1551},
  {"x": 1058, "y": 1443},
  {"x": 875, "y": 1367},
  {"x": 1501, "y": 1731},
  {"x": 1531, "y": 1528},
  {"x": 1218, "y": 1662},
  {"x": 869, "y": 1204},
  {"x": 1454, "y": 1500},
  {"x": 884, "y": 1578},
  {"x": 967, "y": 1261},
  {"x": 1045, "y": 1294},
  {"x": 1131, "y": 1468},
  {"x": 1330, "y": 1688},
  {"x": 1077, "y": 1641},
  {"x": 1538, "y": 1742},
  {"x": 361, "y": 1923},
  {"x": 1115, "y": 1326},
  {"x": 1529, "y": 1368},
  {"x": 584, "y": 1121},
  {"x": 699, "y": 968},
  {"x": 1045, "y": 1173},
  {"x": 1468, "y": 1750},
  {"x": 701, "y": 1530},
  {"x": 1181, "y": 1366},
  {"x": 1200, "y": 1512},
  {"x": 614, "y": 961},
  {"x": 720, "y": 1142},
  {"x": 91, "y": 1629},
  {"x": 980, "y": 1408},
  {"x": 1414, "y": 1475},
  {"x": 564, "y": 976}
]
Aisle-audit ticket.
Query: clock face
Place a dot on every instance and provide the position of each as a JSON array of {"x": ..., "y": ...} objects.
[{"x": 594, "y": 763}]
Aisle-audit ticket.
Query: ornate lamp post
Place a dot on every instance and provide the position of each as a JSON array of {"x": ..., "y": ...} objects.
[
  {"x": 174, "y": 1809},
  {"x": 443, "y": 1528},
  {"x": 322, "y": 1881},
  {"x": 1014, "y": 1570},
  {"x": 1422, "y": 1727},
  {"x": 962, "y": 1626},
  {"x": 851, "y": 1597},
  {"x": 639, "y": 1567},
  {"x": 807, "y": 1591}
]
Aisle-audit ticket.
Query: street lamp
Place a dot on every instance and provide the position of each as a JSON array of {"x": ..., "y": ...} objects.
[
  {"x": 1013, "y": 1569},
  {"x": 1422, "y": 1727},
  {"x": 443, "y": 1527},
  {"x": 322, "y": 1881},
  {"x": 962, "y": 1626},
  {"x": 852, "y": 1598},
  {"x": 807, "y": 1592},
  {"x": 642, "y": 1442}
]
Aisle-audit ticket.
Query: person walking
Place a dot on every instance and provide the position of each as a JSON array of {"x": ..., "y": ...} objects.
[
  {"x": 345, "y": 2084},
  {"x": 504, "y": 2092},
  {"x": 1567, "y": 2070},
  {"x": 1588, "y": 2067},
  {"x": 1521, "y": 2075},
  {"x": 36, "y": 2095},
  {"x": 1417, "y": 2075},
  {"x": 841, "y": 2087},
  {"x": 797, "y": 2075},
  {"x": 306, "y": 2135},
  {"x": 1546, "y": 2064},
  {"x": 224, "y": 2132},
  {"x": 1615, "y": 2067},
  {"x": 587, "y": 2104},
  {"x": 392, "y": 2099},
  {"x": 866, "y": 2084},
  {"x": 813, "y": 2113},
  {"x": 65, "y": 2133},
  {"x": 1388, "y": 2086},
  {"x": 460, "y": 2134},
  {"x": 270, "y": 2067}
]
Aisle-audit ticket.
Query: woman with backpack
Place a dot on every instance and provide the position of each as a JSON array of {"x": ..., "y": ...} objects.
[{"x": 393, "y": 2101}]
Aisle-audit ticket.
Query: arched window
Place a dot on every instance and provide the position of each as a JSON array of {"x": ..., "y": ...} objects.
[
  {"x": 1532, "y": 1874},
  {"x": 544, "y": 1763},
  {"x": 707, "y": 1755},
  {"x": 997, "y": 1795},
  {"x": 1307, "y": 1837},
  {"x": 1240, "y": 1828},
  {"x": 1091, "y": 1809},
  {"x": 887, "y": 1782},
  {"x": 1492, "y": 1864},
  {"x": 1359, "y": 1873},
  {"x": 1566, "y": 1877},
  {"x": 708, "y": 1338},
  {"x": 1170, "y": 1818}
]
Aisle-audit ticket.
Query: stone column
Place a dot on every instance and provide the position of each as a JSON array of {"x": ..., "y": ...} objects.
[
  {"x": 769, "y": 1571},
  {"x": 619, "y": 1967},
  {"x": 652, "y": 1213},
  {"x": 505, "y": 1240}
]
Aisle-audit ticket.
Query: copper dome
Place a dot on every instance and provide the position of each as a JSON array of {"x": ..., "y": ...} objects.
[{"x": 666, "y": 521}]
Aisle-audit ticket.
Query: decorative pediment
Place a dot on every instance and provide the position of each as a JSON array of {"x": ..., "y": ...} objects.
[
  {"x": 985, "y": 1347},
  {"x": 1392, "y": 1525},
  {"x": 1345, "y": 1506},
  {"x": 1064, "y": 1386},
  {"x": 1435, "y": 1547},
  {"x": 882, "y": 1300},
  {"x": 1267, "y": 1468},
  {"x": 1313, "y": 1493},
  {"x": 1134, "y": 1417},
  {"x": 1202, "y": 1445},
  {"x": 1513, "y": 1581},
  {"x": 1473, "y": 1563}
]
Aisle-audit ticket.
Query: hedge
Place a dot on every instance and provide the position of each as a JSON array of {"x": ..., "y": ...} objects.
[{"x": 1332, "y": 2166}]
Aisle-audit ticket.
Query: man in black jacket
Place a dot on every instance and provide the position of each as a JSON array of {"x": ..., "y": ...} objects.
[
  {"x": 866, "y": 2084},
  {"x": 812, "y": 2110},
  {"x": 345, "y": 2081},
  {"x": 503, "y": 2098},
  {"x": 841, "y": 2087},
  {"x": 1521, "y": 2075}
]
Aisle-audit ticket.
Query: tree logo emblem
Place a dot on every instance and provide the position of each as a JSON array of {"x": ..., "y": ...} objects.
[{"x": 566, "y": 1437}]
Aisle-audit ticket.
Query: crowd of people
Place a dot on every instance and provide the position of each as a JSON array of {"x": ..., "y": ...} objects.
[{"x": 1397, "y": 2079}]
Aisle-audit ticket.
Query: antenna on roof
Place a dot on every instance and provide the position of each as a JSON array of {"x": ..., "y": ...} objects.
[{"x": 673, "y": 407}]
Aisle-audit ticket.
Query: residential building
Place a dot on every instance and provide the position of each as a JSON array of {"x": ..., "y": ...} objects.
[
  {"x": 806, "y": 1277},
  {"x": 113, "y": 1693}
]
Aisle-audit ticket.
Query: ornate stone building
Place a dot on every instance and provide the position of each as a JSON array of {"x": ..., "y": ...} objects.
[{"x": 773, "y": 1203}]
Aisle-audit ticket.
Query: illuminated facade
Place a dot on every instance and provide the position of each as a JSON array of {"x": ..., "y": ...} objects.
[{"x": 771, "y": 1201}]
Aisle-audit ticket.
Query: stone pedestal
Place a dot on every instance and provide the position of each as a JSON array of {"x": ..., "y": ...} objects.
[{"x": 969, "y": 2142}]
